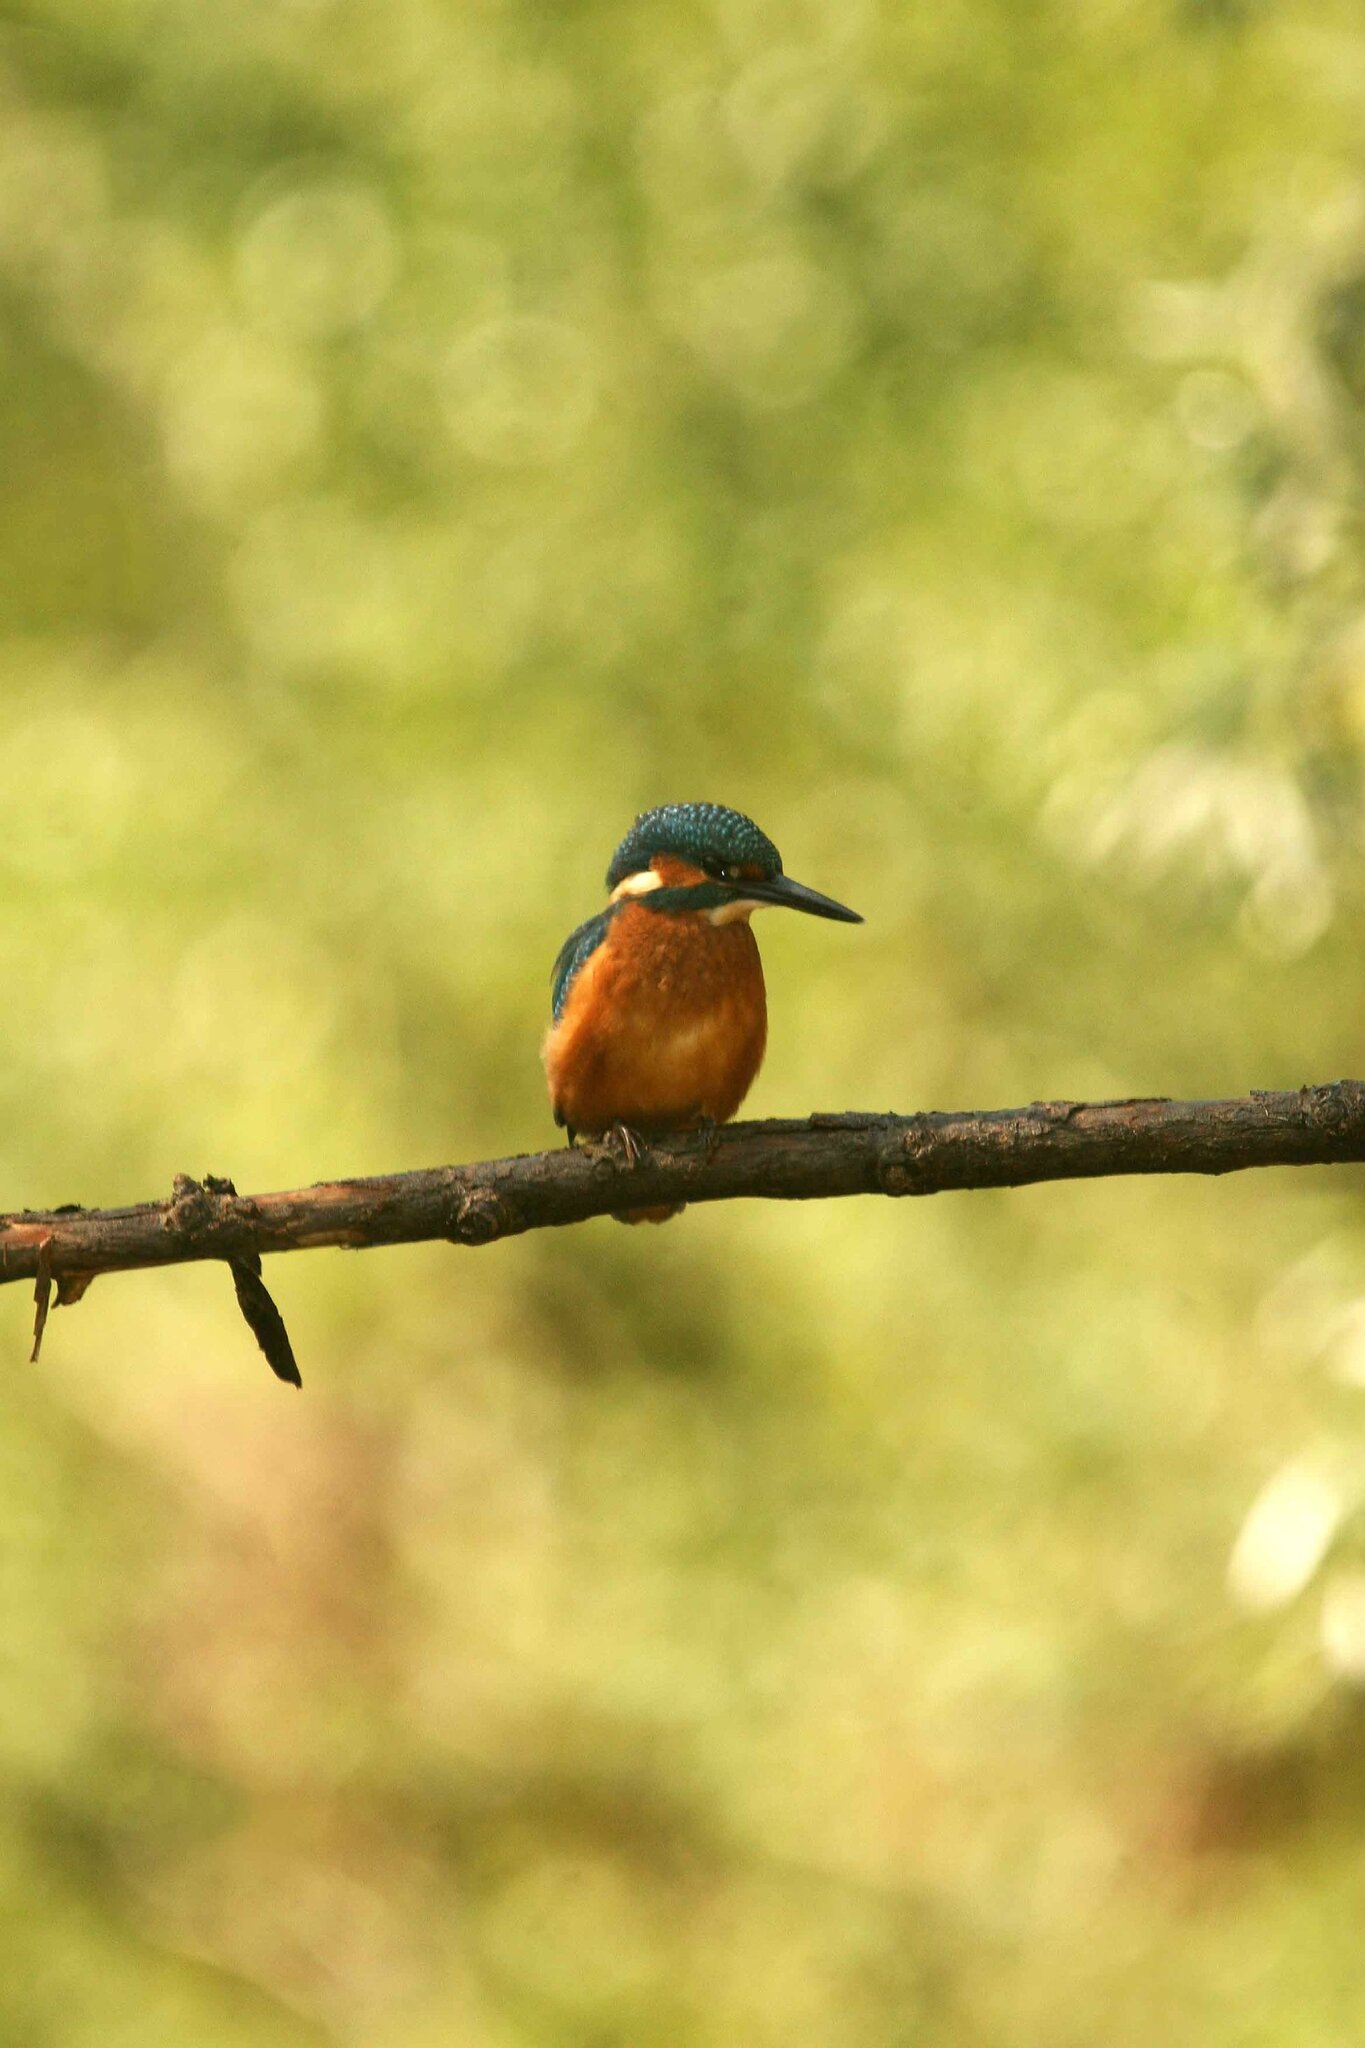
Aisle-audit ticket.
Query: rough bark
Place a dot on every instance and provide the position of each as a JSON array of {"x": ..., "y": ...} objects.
[{"x": 820, "y": 1156}]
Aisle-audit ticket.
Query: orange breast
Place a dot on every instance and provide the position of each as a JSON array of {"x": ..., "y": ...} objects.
[{"x": 665, "y": 1024}]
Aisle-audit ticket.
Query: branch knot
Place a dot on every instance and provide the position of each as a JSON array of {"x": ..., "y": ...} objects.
[
  {"x": 900, "y": 1161},
  {"x": 1333, "y": 1104},
  {"x": 477, "y": 1217},
  {"x": 190, "y": 1208}
]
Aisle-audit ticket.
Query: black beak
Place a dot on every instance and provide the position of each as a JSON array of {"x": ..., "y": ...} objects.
[{"x": 796, "y": 896}]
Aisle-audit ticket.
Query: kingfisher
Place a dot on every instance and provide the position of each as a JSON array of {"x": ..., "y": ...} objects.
[{"x": 660, "y": 1016}]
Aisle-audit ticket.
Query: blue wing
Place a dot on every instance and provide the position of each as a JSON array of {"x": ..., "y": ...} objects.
[{"x": 578, "y": 947}]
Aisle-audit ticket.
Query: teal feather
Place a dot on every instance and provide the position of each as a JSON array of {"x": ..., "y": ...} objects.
[{"x": 580, "y": 946}]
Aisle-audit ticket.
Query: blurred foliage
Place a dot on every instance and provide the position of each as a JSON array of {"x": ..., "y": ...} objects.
[{"x": 430, "y": 431}]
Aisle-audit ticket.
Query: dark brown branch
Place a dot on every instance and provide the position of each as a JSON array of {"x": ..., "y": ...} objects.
[{"x": 784, "y": 1161}]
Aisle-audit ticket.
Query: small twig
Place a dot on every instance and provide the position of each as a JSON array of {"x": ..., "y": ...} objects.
[
  {"x": 267, "y": 1324},
  {"x": 42, "y": 1297},
  {"x": 254, "y": 1298}
]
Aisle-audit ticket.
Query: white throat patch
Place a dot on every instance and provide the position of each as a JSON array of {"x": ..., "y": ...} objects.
[{"x": 731, "y": 913}]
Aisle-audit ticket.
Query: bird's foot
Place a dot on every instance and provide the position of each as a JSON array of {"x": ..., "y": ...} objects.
[
  {"x": 618, "y": 1143},
  {"x": 708, "y": 1130},
  {"x": 622, "y": 1140}
]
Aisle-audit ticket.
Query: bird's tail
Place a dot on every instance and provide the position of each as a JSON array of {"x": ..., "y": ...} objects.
[{"x": 659, "y": 1214}]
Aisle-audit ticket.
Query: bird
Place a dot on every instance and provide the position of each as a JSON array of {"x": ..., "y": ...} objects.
[{"x": 659, "y": 1011}]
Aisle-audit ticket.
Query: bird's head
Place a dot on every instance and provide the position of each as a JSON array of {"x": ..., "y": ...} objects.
[{"x": 708, "y": 859}]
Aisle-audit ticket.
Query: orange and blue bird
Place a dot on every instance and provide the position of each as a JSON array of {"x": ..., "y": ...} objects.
[{"x": 660, "y": 1013}]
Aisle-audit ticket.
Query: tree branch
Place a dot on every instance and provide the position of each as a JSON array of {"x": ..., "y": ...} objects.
[
  {"x": 779, "y": 1160},
  {"x": 796, "y": 1160}
]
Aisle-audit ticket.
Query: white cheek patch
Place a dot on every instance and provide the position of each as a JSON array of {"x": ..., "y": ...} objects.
[
  {"x": 730, "y": 913},
  {"x": 637, "y": 885}
]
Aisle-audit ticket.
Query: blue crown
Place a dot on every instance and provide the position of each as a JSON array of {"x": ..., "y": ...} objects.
[{"x": 708, "y": 835}]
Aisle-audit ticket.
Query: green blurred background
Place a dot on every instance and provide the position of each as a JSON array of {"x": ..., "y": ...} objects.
[{"x": 430, "y": 432}]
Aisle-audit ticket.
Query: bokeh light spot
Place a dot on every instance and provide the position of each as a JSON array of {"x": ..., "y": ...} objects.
[
  {"x": 1285, "y": 1536},
  {"x": 1342, "y": 1626},
  {"x": 1216, "y": 410},
  {"x": 521, "y": 390},
  {"x": 237, "y": 413},
  {"x": 775, "y": 328},
  {"x": 68, "y": 791},
  {"x": 318, "y": 259}
]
